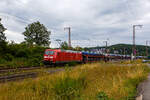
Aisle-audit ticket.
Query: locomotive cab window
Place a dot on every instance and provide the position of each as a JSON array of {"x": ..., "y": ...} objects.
[{"x": 49, "y": 52}]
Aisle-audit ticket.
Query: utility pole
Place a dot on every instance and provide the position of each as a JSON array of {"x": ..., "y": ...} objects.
[
  {"x": 147, "y": 48},
  {"x": 69, "y": 38},
  {"x": 106, "y": 42},
  {"x": 134, "y": 46},
  {"x": 133, "y": 49}
]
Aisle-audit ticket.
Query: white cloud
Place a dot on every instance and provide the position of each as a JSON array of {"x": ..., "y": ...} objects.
[
  {"x": 90, "y": 19},
  {"x": 14, "y": 36}
]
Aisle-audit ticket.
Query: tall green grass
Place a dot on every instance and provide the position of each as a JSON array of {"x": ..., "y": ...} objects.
[
  {"x": 21, "y": 62},
  {"x": 98, "y": 81},
  {"x": 68, "y": 88}
]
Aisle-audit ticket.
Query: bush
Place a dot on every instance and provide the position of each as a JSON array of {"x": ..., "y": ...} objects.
[
  {"x": 72, "y": 63},
  {"x": 37, "y": 50},
  {"x": 22, "y": 53},
  {"x": 3, "y": 47},
  {"x": 8, "y": 57},
  {"x": 68, "y": 88},
  {"x": 34, "y": 62},
  {"x": 2, "y": 60}
]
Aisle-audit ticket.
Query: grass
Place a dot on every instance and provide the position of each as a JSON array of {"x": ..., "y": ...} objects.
[
  {"x": 116, "y": 81},
  {"x": 20, "y": 62},
  {"x": 97, "y": 81}
]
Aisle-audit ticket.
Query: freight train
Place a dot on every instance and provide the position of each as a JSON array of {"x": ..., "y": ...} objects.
[{"x": 59, "y": 56}]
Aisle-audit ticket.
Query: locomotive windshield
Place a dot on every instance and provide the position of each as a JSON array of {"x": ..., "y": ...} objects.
[{"x": 49, "y": 52}]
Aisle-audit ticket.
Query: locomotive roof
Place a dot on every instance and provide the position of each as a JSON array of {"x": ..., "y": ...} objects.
[{"x": 61, "y": 50}]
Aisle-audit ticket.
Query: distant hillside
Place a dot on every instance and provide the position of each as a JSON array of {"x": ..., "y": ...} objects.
[{"x": 124, "y": 49}]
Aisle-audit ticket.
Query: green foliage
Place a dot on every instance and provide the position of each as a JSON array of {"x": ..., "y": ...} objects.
[
  {"x": 131, "y": 86},
  {"x": 35, "y": 62},
  {"x": 3, "y": 48},
  {"x": 37, "y": 33},
  {"x": 102, "y": 96},
  {"x": 68, "y": 88},
  {"x": 124, "y": 49},
  {"x": 8, "y": 57},
  {"x": 78, "y": 48},
  {"x": 64, "y": 45},
  {"x": 72, "y": 63},
  {"x": 2, "y": 61},
  {"x": 20, "y": 55}
]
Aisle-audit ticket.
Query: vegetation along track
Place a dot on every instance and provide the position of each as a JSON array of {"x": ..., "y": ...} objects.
[
  {"x": 18, "y": 77},
  {"x": 6, "y": 70},
  {"x": 24, "y": 75}
]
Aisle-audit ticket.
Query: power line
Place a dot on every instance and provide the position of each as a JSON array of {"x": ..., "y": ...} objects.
[{"x": 23, "y": 20}]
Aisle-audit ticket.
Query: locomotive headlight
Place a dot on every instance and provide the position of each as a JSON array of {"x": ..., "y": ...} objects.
[
  {"x": 45, "y": 56},
  {"x": 51, "y": 57}
]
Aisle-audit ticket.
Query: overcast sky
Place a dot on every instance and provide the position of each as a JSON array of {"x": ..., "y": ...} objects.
[{"x": 92, "y": 21}]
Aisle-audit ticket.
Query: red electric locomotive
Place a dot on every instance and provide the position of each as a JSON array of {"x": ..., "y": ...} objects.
[
  {"x": 54, "y": 56},
  {"x": 58, "y": 56}
]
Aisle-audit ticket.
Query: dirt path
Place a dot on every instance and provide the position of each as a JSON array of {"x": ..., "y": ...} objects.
[{"x": 144, "y": 89}]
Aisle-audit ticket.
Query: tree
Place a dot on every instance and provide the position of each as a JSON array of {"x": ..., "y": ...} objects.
[
  {"x": 3, "y": 43},
  {"x": 2, "y": 34},
  {"x": 78, "y": 48},
  {"x": 64, "y": 45},
  {"x": 37, "y": 33}
]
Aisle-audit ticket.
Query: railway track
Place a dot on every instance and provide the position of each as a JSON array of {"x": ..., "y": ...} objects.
[
  {"x": 25, "y": 75},
  {"x": 16, "y": 77},
  {"x": 6, "y": 70},
  {"x": 24, "y": 72}
]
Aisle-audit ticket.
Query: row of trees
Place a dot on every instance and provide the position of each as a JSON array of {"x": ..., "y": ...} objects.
[
  {"x": 28, "y": 53},
  {"x": 64, "y": 45},
  {"x": 36, "y": 34},
  {"x": 123, "y": 49}
]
